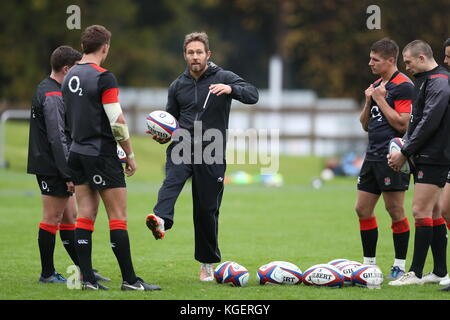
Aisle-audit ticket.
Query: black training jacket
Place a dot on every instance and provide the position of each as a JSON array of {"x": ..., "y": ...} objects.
[
  {"x": 428, "y": 135},
  {"x": 48, "y": 139},
  {"x": 187, "y": 96}
]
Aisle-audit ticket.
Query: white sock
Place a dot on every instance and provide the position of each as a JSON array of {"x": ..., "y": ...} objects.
[
  {"x": 370, "y": 260},
  {"x": 400, "y": 263}
]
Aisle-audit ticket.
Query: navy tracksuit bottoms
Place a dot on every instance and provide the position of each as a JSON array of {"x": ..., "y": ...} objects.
[{"x": 207, "y": 191}]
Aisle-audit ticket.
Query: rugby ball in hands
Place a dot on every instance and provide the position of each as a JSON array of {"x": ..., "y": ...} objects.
[
  {"x": 161, "y": 124},
  {"x": 232, "y": 273},
  {"x": 367, "y": 276},
  {"x": 121, "y": 154},
  {"x": 395, "y": 145},
  {"x": 279, "y": 272},
  {"x": 323, "y": 275}
]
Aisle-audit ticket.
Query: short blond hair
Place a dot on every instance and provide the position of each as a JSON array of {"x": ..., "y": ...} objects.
[
  {"x": 419, "y": 47},
  {"x": 196, "y": 36}
]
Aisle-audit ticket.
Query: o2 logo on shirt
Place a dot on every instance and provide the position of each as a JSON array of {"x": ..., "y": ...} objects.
[
  {"x": 376, "y": 114},
  {"x": 75, "y": 88}
]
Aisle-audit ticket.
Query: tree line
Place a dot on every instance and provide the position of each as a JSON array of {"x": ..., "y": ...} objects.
[{"x": 324, "y": 44}]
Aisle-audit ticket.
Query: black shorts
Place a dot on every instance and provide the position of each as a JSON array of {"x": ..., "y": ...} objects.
[
  {"x": 377, "y": 177},
  {"x": 100, "y": 172},
  {"x": 431, "y": 174},
  {"x": 52, "y": 186}
]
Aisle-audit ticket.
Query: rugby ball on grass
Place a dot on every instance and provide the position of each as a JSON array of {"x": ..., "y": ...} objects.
[
  {"x": 323, "y": 275},
  {"x": 161, "y": 123},
  {"x": 367, "y": 276},
  {"x": 279, "y": 272},
  {"x": 337, "y": 261},
  {"x": 395, "y": 145},
  {"x": 232, "y": 273},
  {"x": 347, "y": 268}
]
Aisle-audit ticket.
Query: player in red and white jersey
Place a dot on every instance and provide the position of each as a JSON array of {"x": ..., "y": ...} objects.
[
  {"x": 97, "y": 124},
  {"x": 385, "y": 116}
]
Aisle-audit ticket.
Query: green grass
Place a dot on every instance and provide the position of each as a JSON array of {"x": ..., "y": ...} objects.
[{"x": 295, "y": 223}]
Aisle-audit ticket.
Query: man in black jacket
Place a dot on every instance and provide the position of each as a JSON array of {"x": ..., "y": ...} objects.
[
  {"x": 200, "y": 99},
  {"x": 427, "y": 143}
]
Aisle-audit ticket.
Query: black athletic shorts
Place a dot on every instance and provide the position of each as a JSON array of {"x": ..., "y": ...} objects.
[
  {"x": 52, "y": 186},
  {"x": 100, "y": 172},
  {"x": 377, "y": 177},
  {"x": 431, "y": 174}
]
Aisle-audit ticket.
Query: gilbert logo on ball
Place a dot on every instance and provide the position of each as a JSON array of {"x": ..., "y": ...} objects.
[
  {"x": 369, "y": 276},
  {"x": 279, "y": 272},
  {"x": 323, "y": 275}
]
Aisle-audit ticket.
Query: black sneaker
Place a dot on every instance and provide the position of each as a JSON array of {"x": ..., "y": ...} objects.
[
  {"x": 54, "y": 278},
  {"x": 93, "y": 286},
  {"x": 99, "y": 277},
  {"x": 139, "y": 285}
]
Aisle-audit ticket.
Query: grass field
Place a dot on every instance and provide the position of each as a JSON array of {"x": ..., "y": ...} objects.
[{"x": 295, "y": 223}]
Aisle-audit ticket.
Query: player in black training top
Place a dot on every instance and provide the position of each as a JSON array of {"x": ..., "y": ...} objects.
[
  {"x": 201, "y": 95},
  {"x": 97, "y": 124},
  {"x": 47, "y": 159},
  {"x": 48, "y": 147},
  {"x": 428, "y": 143},
  {"x": 385, "y": 116}
]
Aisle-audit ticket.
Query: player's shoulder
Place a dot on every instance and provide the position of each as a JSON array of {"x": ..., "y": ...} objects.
[
  {"x": 49, "y": 88},
  {"x": 440, "y": 79},
  {"x": 97, "y": 67},
  {"x": 182, "y": 79},
  {"x": 402, "y": 79},
  {"x": 377, "y": 82},
  {"x": 440, "y": 75},
  {"x": 107, "y": 79},
  {"x": 86, "y": 67}
]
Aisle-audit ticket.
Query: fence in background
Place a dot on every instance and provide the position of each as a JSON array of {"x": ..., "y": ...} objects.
[{"x": 307, "y": 125}]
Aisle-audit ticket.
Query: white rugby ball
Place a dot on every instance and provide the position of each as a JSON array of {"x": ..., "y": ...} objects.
[
  {"x": 337, "y": 261},
  {"x": 121, "y": 154},
  {"x": 395, "y": 145},
  {"x": 230, "y": 272},
  {"x": 323, "y": 275},
  {"x": 161, "y": 123},
  {"x": 347, "y": 268},
  {"x": 279, "y": 272},
  {"x": 368, "y": 276}
]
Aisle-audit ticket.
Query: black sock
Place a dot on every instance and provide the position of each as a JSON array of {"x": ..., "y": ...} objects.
[
  {"x": 400, "y": 235},
  {"x": 83, "y": 246},
  {"x": 369, "y": 240},
  {"x": 422, "y": 241},
  {"x": 46, "y": 241},
  {"x": 369, "y": 236},
  {"x": 439, "y": 249},
  {"x": 68, "y": 240},
  {"x": 401, "y": 241},
  {"x": 120, "y": 244}
]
